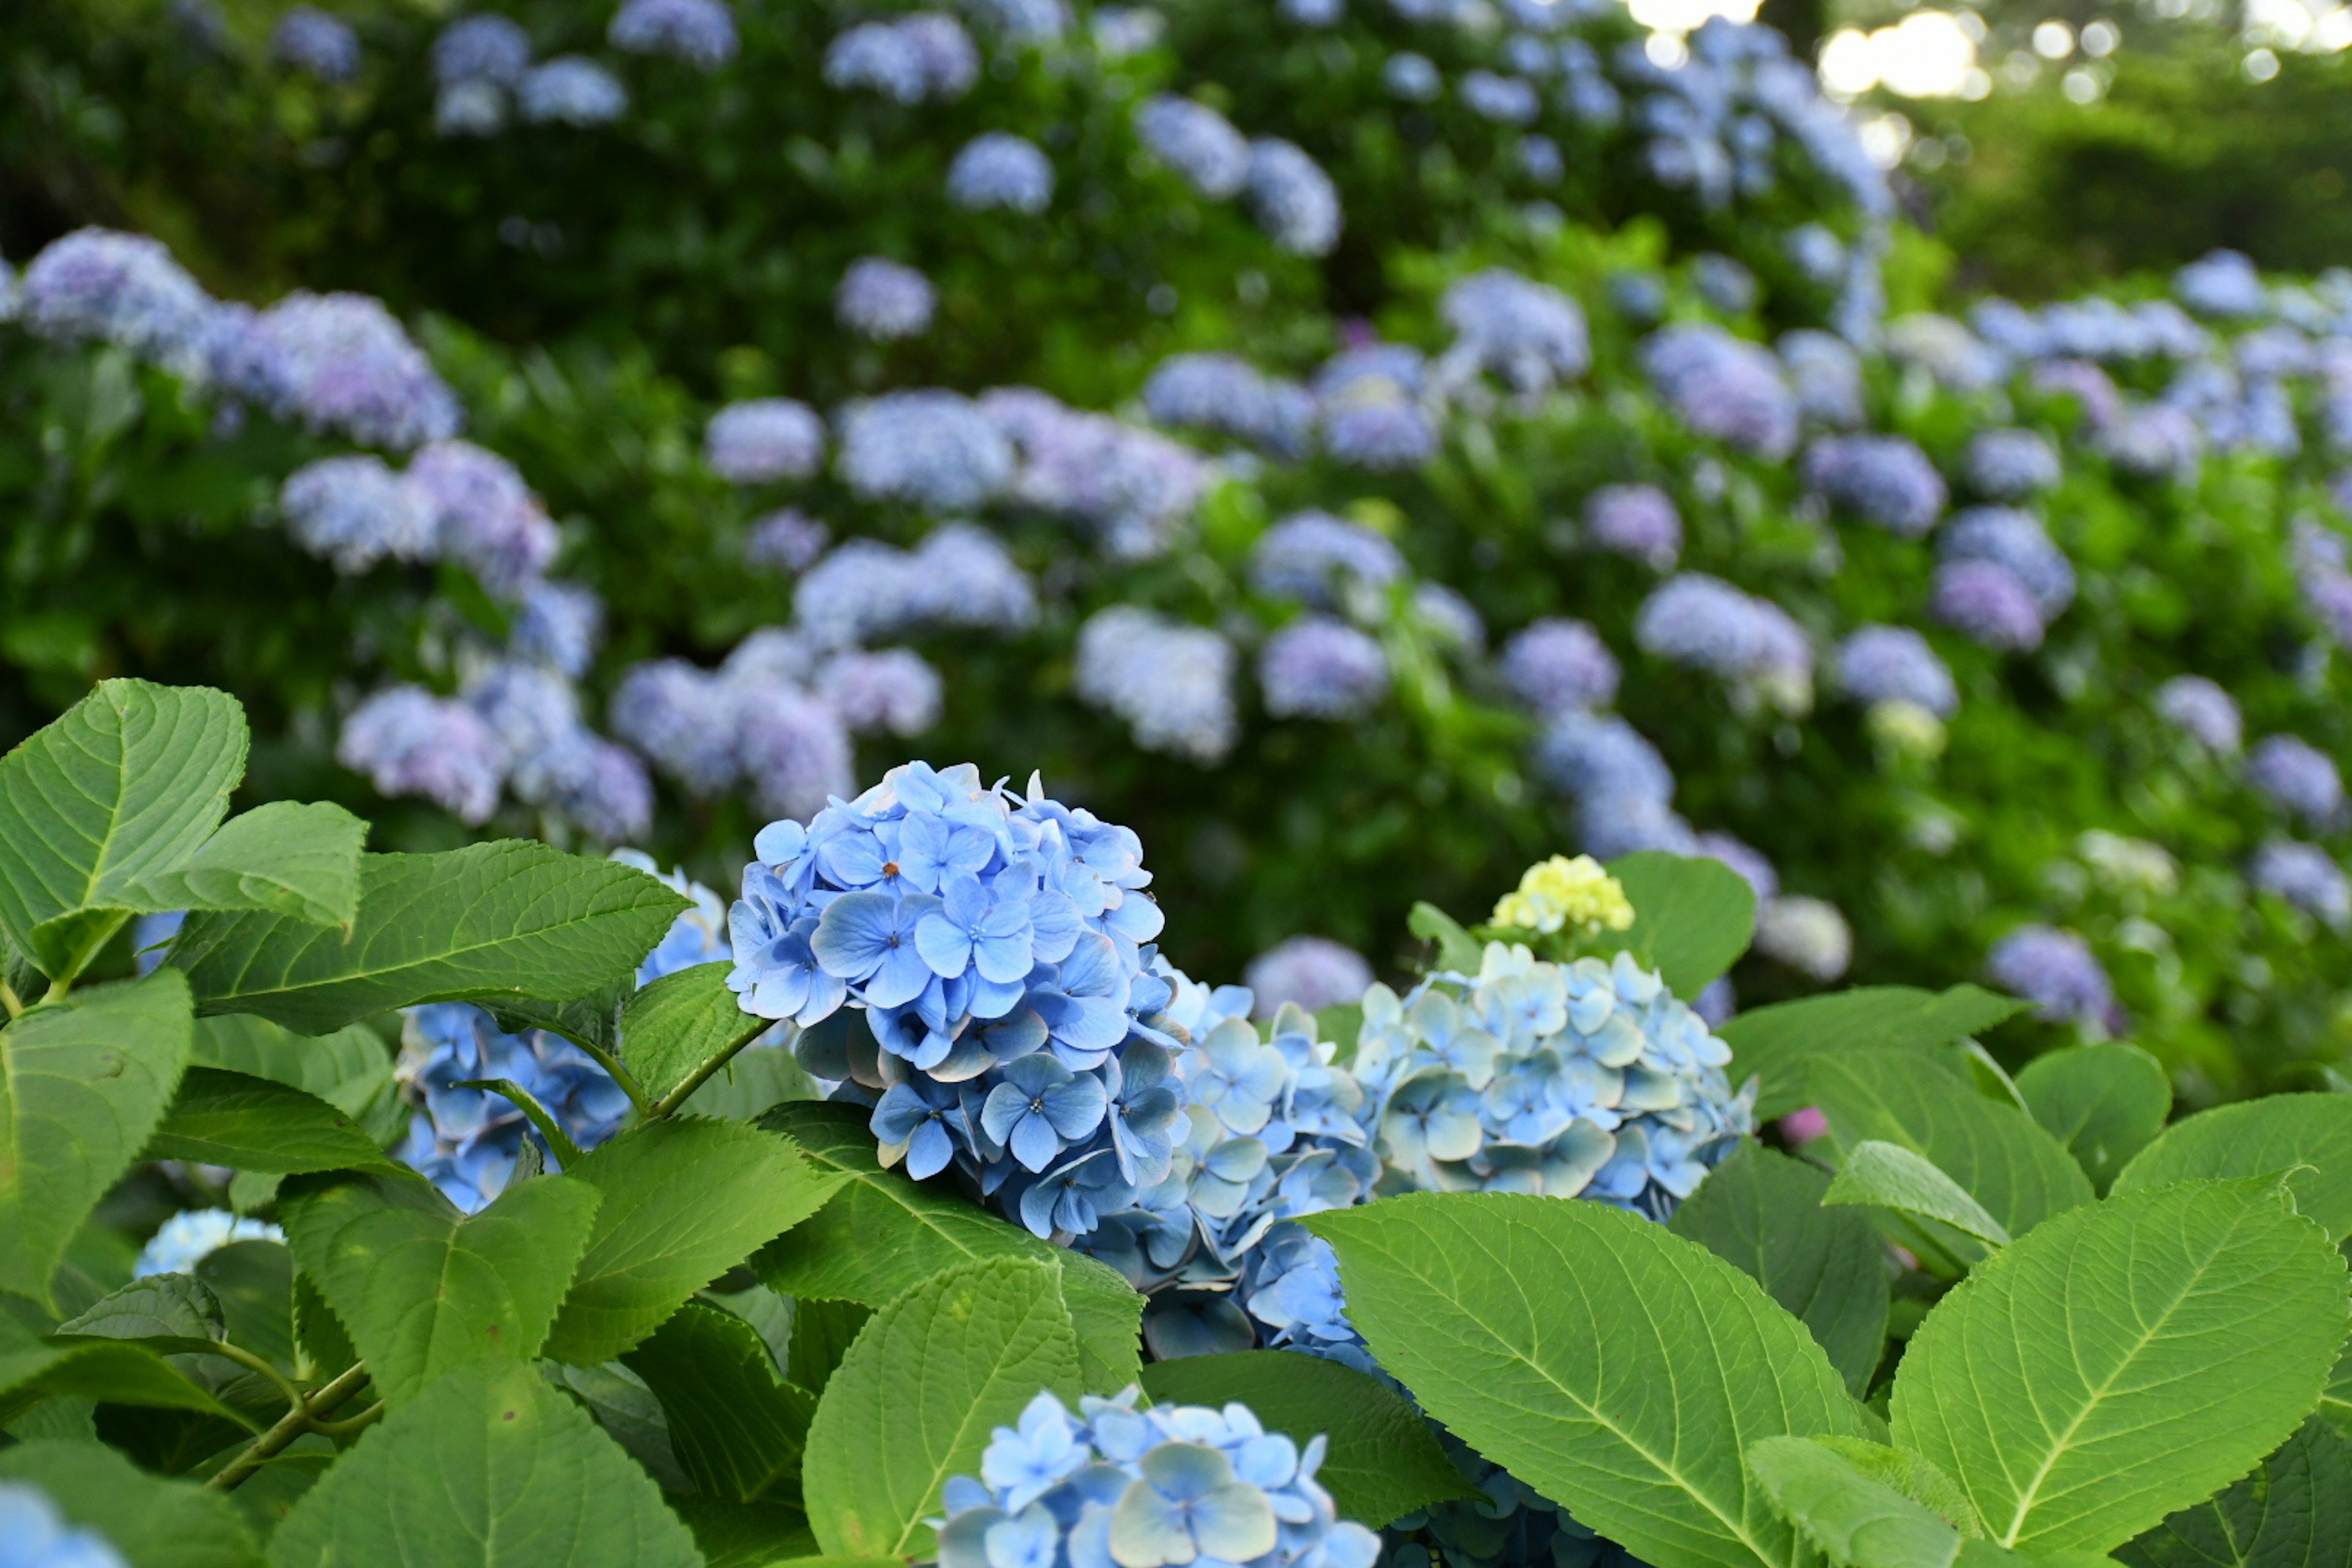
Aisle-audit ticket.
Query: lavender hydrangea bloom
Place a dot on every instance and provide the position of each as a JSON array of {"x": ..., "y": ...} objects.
[
  {"x": 95, "y": 284},
  {"x": 311, "y": 41},
  {"x": 2222, "y": 283},
  {"x": 928, "y": 449},
  {"x": 1370, "y": 409},
  {"x": 1309, "y": 972},
  {"x": 1134, "y": 486},
  {"x": 1172, "y": 683},
  {"x": 573, "y": 89},
  {"x": 355, "y": 511},
  {"x": 409, "y": 741},
  {"x": 38, "y": 1535},
  {"x": 1817, "y": 253},
  {"x": 959, "y": 576},
  {"x": 1321, "y": 560},
  {"x": 1196, "y": 141},
  {"x": 1886, "y": 480},
  {"x": 883, "y": 301},
  {"x": 998, "y": 170},
  {"x": 1826, "y": 374},
  {"x": 682, "y": 718},
  {"x": 1540, "y": 160},
  {"x": 1223, "y": 393},
  {"x": 1504, "y": 100},
  {"x": 1946, "y": 350},
  {"x": 1529, "y": 333},
  {"x": 924, "y": 56},
  {"x": 700, "y": 32},
  {"x": 2156, "y": 442},
  {"x": 1317, "y": 668},
  {"x": 786, "y": 540},
  {"x": 1195, "y": 1483},
  {"x": 2055, "y": 970},
  {"x": 1723, "y": 388},
  {"x": 1411, "y": 77},
  {"x": 487, "y": 48},
  {"x": 558, "y": 625},
  {"x": 2010, "y": 465},
  {"x": 477, "y": 107},
  {"x": 2299, "y": 778},
  {"x": 1724, "y": 283},
  {"x": 891, "y": 691},
  {"x": 1294, "y": 200},
  {"x": 1989, "y": 604},
  {"x": 2016, "y": 540},
  {"x": 1635, "y": 520},
  {"x": 2202, "y": 711},
  {"x": 1704, "y": 623},
  {"x": 342, "y": 362},
  {"x": 794, "y": 749},
  {"x": 1558, "y": 666},
  {"x": 1895, "y": 664},
  {"x": 2305, "y": 875},
  {"x": 765, "y": 438},
  {"x": 485, "y": 516},
  {"x": 1448, "y": 618}
]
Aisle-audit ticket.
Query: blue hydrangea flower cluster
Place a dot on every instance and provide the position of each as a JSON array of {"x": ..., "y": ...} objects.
[
  {"x": 994, "y": 945},
  {"x": 1825, "y": 375},
  {"x": 1294, "y": 200},
  {"x": 1988, "y": 603},
  {"x": 1172, "y": 683},
  {"x": 1559, "y": 667},
  {"x": 2305, "y": 875},
  {"x": 1723, "y": 387},
  {"x": 311, "y": 41},
  {"x": 1308, "y": 971},
  {"x": 883, "y": 301},
  {"x": 929, "y": 449},
  {"x": 190, "y": 1236},
  {"x": 572, "y": 89},
  {"x": 1885, "y": 480},
  {"x": 1319, "y": 667},
  {"x": 2299, "y": 779},
  {"x": 2009, "y": 464},
  {"x": 2057, "y": 971},
  {"x": 1225, "y": 395},
  {"x": 1118, "y": 1486},
  {"x": 1638, "y": 521},
  {"x": 1318, "y": 559},
  {"x": 1195, "y": 140},
  {"x": 763, "y": 440},
  {"x": 2200, "y": 709},
  {"x": 1705, "y": 622},
  {"x": 700, "y": 32},
  {"x": 925, "y": 56},
  {"x": 1133, "y": 487},
  {"x": 1529, "y": 333},
  {"x": 1895, "y": 664},
  {"x": 2014, "y": 539},
  {"x": 996, "y": 169}
]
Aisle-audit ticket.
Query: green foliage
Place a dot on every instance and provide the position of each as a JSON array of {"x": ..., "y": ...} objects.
[
  {"x": 683, "y": 1028},
  {"x": 1891, "y": 1176},
  {"x": 1613, "y": 1367},
  {"x": 154, "y": 1522},
  {"x": 1385, "y": 1460},
  {"x": 2290, "y": 1511},
  {"x": 499, "y": 1470},
  {"x": 2106, "y": 1100},
  {"x": 738, "y": 1431},
  {"x": 1778, "y": 1044},
  {"x": 2124, "y": 1360},
  {"x": 1692, "y": 918},
  {"x": 2308, "y": 1136},
  {"x": 255, "y": 1124},
  {"x": 1849, "y": 1515},
  {"x": 1762, "y": 1212},
  {"x": 913, "y": 1402}
]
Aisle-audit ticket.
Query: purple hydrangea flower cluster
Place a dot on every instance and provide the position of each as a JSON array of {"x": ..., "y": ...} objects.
[
  {"x": 751, "y": 720},
  {"x": 1504, "y": 100},
  {"x": 1622, "y": 788},
  {"x": 485, "y": 518},
  {"x": 1894, "y": 664},
  {"x": 958, "y": 577},
  {"x": 786, "y": 540},
  {"x": 1825, "y": 374},
  {"x": 313, "y": 41},
  {"x": 1225, "y": 393},
  {"x": 354, "y": 511},
  {"x": 97, "y": 285},
  {"x": 549, "y": 758},
  {"x": 1705, "y": 622},
  {"x": 1557, "y": 666},
  {"x": 2200, "y": 709},
  {"x": 2305, "y": 876},
  {"x": 892, "y": 691},
  {"x": 2222, "y": 284},
  {"x": 765, "y": 438},
  {"x": 2015, "y": 539},
  {"x": 336, "y": 362},
  {"x": 409, "y": 741},
  {"x": 1294, "y": 200},
  {"x": 1885, "y": 480},
  {"x": 1319, "y": 667},
  {"x": 1529, "y": 333},
  {"x": 1172, "y": 682},
  {"x": 1635, "y": 520},
  {"x": 926, "y": 55},
  {"x": 1324, "y": 560},
  {"x": 1987, "y": 602},
  {"x": 2056, "y": 971},
  {"x": 932, "y": 449},
  {"x": 1371, "y": 407},
  {"x": 700, "y": 32},
  {"x": 1308, "y": 971},
  {"x": 1135, "y": 487},
  {"x": 2009, "y": 464},
  {"x": 1723, "y": 388},
  {"x": 883, "y": 301},
  {"x": 1195, "y": 140},
  {"x": 1411, "y": 77},
  {"x": 2299, "y": 779},
  {"x": 999, "y": 170},
  {"x": 1724, "y": 283},
  {"x": 1945, "y": 352}
]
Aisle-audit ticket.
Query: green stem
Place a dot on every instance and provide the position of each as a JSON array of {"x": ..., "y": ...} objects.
[
  {"x": 9, "y": 1000},
  {"x": 668, "y": 1103},
  {"x": 56, "y": 991},
  {"x": 252, "y": 1363},
  {"x": 611, "y": 1064},
  {"x": 302, "y": 1418},
  {"x": 367, "y": 1418}
]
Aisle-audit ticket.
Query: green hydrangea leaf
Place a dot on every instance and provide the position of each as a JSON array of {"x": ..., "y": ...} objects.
[
  {"x": 2308, "y": 1136},
  {"x": 1692, "y": 917},
  {"x": 508, "y": 919},
  {"x": 2294, "y": 1510},
  {"x": 300, "y": 861},
  {"x": 484, "y": 1471},
  {"x": 1761, "y": 1212},
  {"x": 422, "y": 1288},
  {"x": 1384, "y": 1459},
  {"x": 1887, "y": 1175},
  {"x": 85, "y": 1082},
  {"x": 2124, "y": 1360},
  {"x": 113, "y": 1371},
  {"x": 1850, "y": 1516},
  {"x": 684, "y": 1200},
  {"x": 915, "y": 1398},
  {"x": 682, "y": 1026},
  {"x": 349, "y": 1069},
  {"x": 153, "y": 1521},
  {"x": 1609, "y": 1365},
  {"x": 2104, "y": 1101},
  {"x": 1777, "y": 1044},
  {"x": 255, "y": 1124},
  {"x": 738, "y": 1432}
]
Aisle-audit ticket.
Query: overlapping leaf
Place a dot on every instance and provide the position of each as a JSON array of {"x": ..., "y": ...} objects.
[
  {"x": 1778, "y": 1043},
  {"x": 675, "y": 1027},
  {"x": 736, "y": 1430},
  {"x": 153, "y": 1523},
  {"x": 255, "y": 1124},
  {"x": 1887, "y": 1175},
  {"x": 2104, "y": 1101},
  {"x": 2294, "y": 1510},
  {"x": 2307, "y": 1136}
]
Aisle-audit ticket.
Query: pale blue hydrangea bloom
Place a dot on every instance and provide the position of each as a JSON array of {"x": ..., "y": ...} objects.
[
  {"x": 683, "y": 719},
  {"x": 311, "y": 41},
  {"x": 1817, "y": 253},
  {"x": 1946, "y": 350},
  {"x": 1894, "y": 664},
  {"x": 891, "y": 691},
  {"x": 1807, "y": 935},
  {"x": 2055, "y": 970},
  {"x": 1134, "y": 486},
  {"x": 1117, "y": 1487},
  {"x": 551, "y": 759},
  {"x": 2222, "y": 283},
  {"x": 1885, "y": 480},
  {"x": 1529, "y": 333},
  {"x": 35, "y": 1535},
  {"x": 1370, "y": 406},
  {"x": 408, "y": 742},
  {"x": 1309, "y": 972},
  {"x": 2010, "y": 465},
  {"x": 573, "y": 89},
  {"x": 1450, "y": 619},
  {"x": 1988, "y": 603},
  {"x": 486, "y": 517},
  {"x": 1826, "y": 375},
  {"x": 764, "y": 439},
  {"x": 1558, "y": 666},
  {"x": 1635, "y": 520},
  {"x": 558, "y": 625},
  {"x": 1322, "y": 559},
  {"x": 2156, "y": 441},
  {"x": 2017, "y": 541},
  {"x": 1724, "y": 283},
  {"x": 1723, "y": 388},
  {"x": 2299, "y": 779},
  {"x": 336, "y": 362},
  {"x": 1195, "y": 140},
  {"x": 188, "y": 1238},
  {"x": 1172, "y": 682},
  {"x": 1704, "y": 623},
  {"x": 929, "y": 449},
  {"x": 883, "y": 301},
  {"x": 1311, "y": 12},
  {"x": 698, "y": 936},
  {"x": 95, "y": 284},
  {"x": 794, "y": 747},
  {"x": 2199, "y": 709},
  {"x": 787, "y": 540},
  {"x": 958, "y": 577},
  {"x": 700, "y": 32},
  {"x": 996, "y": 169},
  {"x": 489, "y": 49},
  {"x": 1506, "y": 99},
  {"x": 354, "y": 511},
  {"x": 1540, "y": 160},
  {"x": 1032, "y": 22},
  {"x": 476, "y": 108},
  {"x": 2306, "y": 877},
  {"x": 1411, "y": 77},
  {"x": 924, "y": 56},
  {"x": 1223, "y": 393},
  {"x": 1294, "y": 200},
  {"x": 1318, "y": 668}
]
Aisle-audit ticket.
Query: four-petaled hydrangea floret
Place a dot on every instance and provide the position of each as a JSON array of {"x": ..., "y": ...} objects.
[
  {"x": 1560, "y": 893},
  {"x": 1117, "y": 1486},
  {"x": 465, "y": 1141}
]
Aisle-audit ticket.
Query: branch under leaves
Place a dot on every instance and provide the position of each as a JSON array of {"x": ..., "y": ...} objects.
[{"x": 308, "y": 1414}]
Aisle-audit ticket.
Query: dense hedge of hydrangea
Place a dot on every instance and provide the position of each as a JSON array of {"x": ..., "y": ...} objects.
[{"x": 1338, "y": 441}]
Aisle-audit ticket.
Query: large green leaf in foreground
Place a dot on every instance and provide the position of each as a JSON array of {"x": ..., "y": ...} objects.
[
  {"x": 153, "y": 1523},
  {"x": 507, "y": 919},
  {"x": 2124, "y": 1360},
  {"x": 85, "y": 1082},
  {"x": 2294, "y": 1510},
  {"x": 915, "y": 1400},
  {"x": 2307, "y": 1136},
  {"x": 1607, "y": 1364},
  {"x": 498, "y": 1471}
]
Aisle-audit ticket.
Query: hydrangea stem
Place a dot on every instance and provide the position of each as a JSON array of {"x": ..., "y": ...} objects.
[{"x": 307, "y": 1415}]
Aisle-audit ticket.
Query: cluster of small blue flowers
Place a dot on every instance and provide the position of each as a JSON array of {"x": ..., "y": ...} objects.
[
  {"x": 1559, "y": 667},
  {"x": 1294, "y": 200},
  {"x": 1638, "y": 521},
  {"x": 1197, "y": 142},
  {"x": 455, "y": 502},
  {"x": 1825, "y": 375},
  {"x": 2299, "y": 779},
  {"x": 190, "y": 1236},
  {"x": 1308, "y": 971},
  {"x": 1895, "y": 664},
  {"x": 958, "y": 577},
  {"x": 1122, "y": 1487},
  {"x": 1172, "y": 683},
  {"x": 1321, "y": 667},
  {"x": 1371, "y": 406},
  {"x": 2057, "y": 971},
  {"x": 1807, "y": 935},
  {"x": 2009, "y": 464},
  {"x": 997, "y": 169},
  {"x": 1225, "y": 395},
  {"x": 2200, "y": 709},
  {"x": 700, "y": 32},
  {"x": 2305, "y": 875},
  {"x": 1321, "y": 560},
  {"x": 926, "y": 55},
  {"x": 311, "y": 41},
  {"x": 2014, "y": 542},
  {"x": 932, "y": 449},
  {"x": 883, "y": 301},
  {"x": 482, "y": 67},
  {"x": 1530, "y": 334},
  {"x": 1133, "y": 487},
  {"x": 1723, "y": 387},
  {"x": 37, "y": 1534},
  {"x": 993, "y": 944},
  {"x": 764, "y": 440},
  {"x": 1885, "y": 480},
  {"x": 1705, "y": 622}
]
